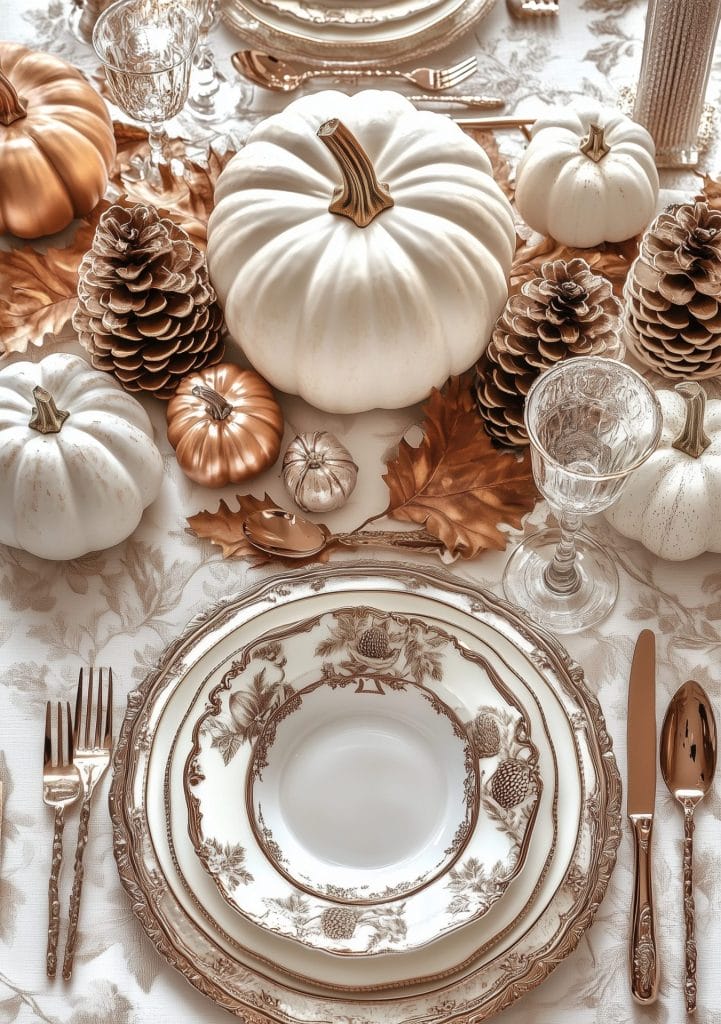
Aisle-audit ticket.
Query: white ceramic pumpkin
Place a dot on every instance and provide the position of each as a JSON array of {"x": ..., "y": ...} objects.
[
  {"x": 77, "y": 459},
  {"x": 360, "y": 276},
  {"x": 671, "y": 504},
  {"x": 588, "y": 176}
]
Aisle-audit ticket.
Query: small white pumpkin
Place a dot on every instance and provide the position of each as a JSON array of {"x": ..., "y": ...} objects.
[
  {"x": 671, "y": 504},
  {"x": 588, "y": 176},
  {"x": 361, "y": 250},
  {"x": 77, "y": 459}
]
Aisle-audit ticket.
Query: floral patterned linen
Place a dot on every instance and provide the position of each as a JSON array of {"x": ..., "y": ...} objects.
[{"x": 123, "y": 606}]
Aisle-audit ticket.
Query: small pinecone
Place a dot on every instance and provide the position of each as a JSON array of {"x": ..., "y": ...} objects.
[
  {"x": 567, "y": 311},
  {"x": 146, "y": 311},
  {"x": 673, "y": 292},
  {"x": 374, "y": 643},
  {"x": 485, "y": 735},
  {"x": 510, "y": 782},
  {"x": 338, "y": 922}
]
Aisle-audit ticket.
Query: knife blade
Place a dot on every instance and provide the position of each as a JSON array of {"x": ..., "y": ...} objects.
[{"x": 640, "y": 803}]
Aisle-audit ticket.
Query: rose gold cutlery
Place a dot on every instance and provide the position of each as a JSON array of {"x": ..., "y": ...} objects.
[
  {"x": 461, "y": 100},
  {"x": 688, "y": 764},
  {"x": 286, "y": 76},
  {"x": 640, "y": 801},
  {"x": 93, "y": 738},
  {"x": 61, "y": 789},
  {"x": 532, "y": 8}
]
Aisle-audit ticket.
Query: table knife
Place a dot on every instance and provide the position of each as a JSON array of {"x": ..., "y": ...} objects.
[{"x": 640, "y": 800}]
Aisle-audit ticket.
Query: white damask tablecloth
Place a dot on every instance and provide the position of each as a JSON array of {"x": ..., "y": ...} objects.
[{"x": 123, "y": 606}]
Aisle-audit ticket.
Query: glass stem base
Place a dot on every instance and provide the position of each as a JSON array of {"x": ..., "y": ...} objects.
[{"x": 585, "y": 603}]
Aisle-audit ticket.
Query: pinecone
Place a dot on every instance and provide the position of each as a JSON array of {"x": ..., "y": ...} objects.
[
  {"x": 510, "y": 782},
  {"x": 673, "y": 292},
  {"x": 146, "y": 312},
  {"x": 485, "y": 735},
  {"x": 374, "y": 643},
  {"x": 567, "y": 311},
  {"x": 339, "y": 922}
]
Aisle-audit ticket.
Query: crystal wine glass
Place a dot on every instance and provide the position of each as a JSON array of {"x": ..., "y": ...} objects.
[
  {"x": 146, "y": 49},
  {"x": 591, "y": 421},
  {"x": 212, "y": 97}
]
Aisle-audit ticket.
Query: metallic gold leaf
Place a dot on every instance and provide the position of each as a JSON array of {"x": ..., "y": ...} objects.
[{"x": 455, "y": 483}]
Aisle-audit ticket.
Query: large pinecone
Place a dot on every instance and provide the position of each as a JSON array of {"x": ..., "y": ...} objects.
[
  {"x": 673, "y": 292},
  {"x": 146, "y": 311},
  {"x": 567, "y": 311}
]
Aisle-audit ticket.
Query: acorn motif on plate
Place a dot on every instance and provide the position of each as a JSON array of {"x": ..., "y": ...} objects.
[
  {"x": 374, "y": 646},
  {"x": 510, "y": 783},
  {"x": 485, "y": 735},
  {"x": 339, "y": 922}
]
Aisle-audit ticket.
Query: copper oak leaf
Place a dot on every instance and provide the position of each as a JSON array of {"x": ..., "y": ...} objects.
[{"x": 455, "y": 482}]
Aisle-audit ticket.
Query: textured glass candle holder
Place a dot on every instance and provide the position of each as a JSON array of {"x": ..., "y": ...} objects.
[{"x": 677, "y": 55}]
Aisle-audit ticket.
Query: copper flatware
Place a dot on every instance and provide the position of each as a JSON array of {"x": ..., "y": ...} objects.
[
  {"x": 269, "y": 72},
  {"x": 688, "y": 764},
  {"x": 92, "y": 756},
  {"x": 640, "y": 803},
  {"x": 61, "y": 789},
  {"x": 459, "y": 99},
  {"x": 532, "y": 8}
]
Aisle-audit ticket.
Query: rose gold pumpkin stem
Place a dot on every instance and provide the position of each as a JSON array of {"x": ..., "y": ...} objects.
[
  {"x": 46, "y": 417},
  {"x": 594, "y": 145},
  {"x": 361, "y": 197},
  {"x": 11, "y": 106},
  {"x": 692, "y": 440},
  {"x": 218, "y": 408}
]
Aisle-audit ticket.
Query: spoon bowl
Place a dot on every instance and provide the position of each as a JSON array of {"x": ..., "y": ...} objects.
[
  {"x": 284, "y": 534},
  {"x": 688, "y": 764}
]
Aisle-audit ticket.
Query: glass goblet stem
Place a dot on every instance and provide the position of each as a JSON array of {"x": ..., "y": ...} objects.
[{"x": 561, "y": 575}]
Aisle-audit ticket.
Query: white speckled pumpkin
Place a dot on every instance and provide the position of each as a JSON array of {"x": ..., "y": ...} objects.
[
  {"x": 360, "y": 249},
  {"x": 672, "y": 503},
  {"x": 77, "y": 460},
  {"x": 588, "y": 176}
]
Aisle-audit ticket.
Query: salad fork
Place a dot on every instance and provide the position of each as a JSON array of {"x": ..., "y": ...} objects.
[
  {"x": 61, "y": 789},
  {"x": 92, "y": 757},
  {"x": 286, "y": 76}
]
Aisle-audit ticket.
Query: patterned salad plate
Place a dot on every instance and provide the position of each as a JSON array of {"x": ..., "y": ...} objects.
[
  {"x": 380, "y": 763},
  {"x": 389, "y": 33},
  {"x": 472, "y": 971}
]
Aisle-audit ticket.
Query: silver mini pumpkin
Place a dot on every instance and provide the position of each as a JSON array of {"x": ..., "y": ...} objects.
[{"x": 318, "y": 472}]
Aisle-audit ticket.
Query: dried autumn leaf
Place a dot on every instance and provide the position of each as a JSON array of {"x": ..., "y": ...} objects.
[
  {"x": 38, "y": 290},
  {"x": 225, "y": 528},
  {"x": 456, "y": 483},
  {"x": 611, "y": 259},
  {"x": 711, "y": 191}
]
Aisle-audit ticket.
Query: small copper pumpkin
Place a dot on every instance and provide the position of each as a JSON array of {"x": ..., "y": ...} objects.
[
  {"x": 56, "y": 143},
  {"x": 224, "y": 424}
]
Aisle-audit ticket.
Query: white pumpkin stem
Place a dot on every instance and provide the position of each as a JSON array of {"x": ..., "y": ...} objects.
[
  {"x": 217, "y": 406},
  {"x": 692, "y": 440},
  {"x": 12, "y": 107},
  {"x": 46, "y": 417},
  {"x": 361, "y": 197},
  {"x": 594, "y": 145}
]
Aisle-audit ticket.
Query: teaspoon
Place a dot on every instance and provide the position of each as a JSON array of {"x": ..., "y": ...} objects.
[{"x": 688, "y": 763}]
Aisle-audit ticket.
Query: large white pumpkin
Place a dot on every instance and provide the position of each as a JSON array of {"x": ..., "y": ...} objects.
[
  {"x": 349, "y": 317},
  {"x": 78, "y": 482},
  {"x": 672, "y": 503},
  {"x": 588, "y": 176}
]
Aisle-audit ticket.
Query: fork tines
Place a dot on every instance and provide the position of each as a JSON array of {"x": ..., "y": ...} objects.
[
  {"x": 61, "y": 751},
  {"x": 103, "y": 728}
]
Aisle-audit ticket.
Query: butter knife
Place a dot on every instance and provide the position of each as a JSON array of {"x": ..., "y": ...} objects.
[{"x": 640, "y": 801}]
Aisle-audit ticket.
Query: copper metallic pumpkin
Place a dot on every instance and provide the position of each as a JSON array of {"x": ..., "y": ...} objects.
[
  {"x": 224, "y": 424},
  {"x": 56, "y": 143}
]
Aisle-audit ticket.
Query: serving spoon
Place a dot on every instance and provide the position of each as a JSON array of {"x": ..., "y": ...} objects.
[{"x": 688, "y": 763}]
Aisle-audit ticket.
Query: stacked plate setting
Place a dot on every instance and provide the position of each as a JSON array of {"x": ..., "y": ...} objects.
[
  {"x": 341, "y": 31},
  {"x": 341, "y": 796}
]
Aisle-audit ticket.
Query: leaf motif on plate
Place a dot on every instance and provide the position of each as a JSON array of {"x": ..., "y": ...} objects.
[
  {"x": 226, "y": 861},
  {"x": 251, "y": 708},
  {"x": 474, "y": 887},
  {"x": 455, "y": 483}
]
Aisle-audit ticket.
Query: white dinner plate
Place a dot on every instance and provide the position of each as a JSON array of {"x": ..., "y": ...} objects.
[
  {"x": 565, "y": 903},
  {"x": 363, "y": 745},
  {"x": 340, "y": 13}
]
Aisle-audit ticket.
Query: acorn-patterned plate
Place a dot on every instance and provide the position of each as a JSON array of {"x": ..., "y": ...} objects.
[{"x": 361, "y": 783}]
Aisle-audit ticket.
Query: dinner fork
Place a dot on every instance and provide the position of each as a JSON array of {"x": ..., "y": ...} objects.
[
  {"x": 61, "y": 788},
  {"x": 92, "y": 757},
  {"x": 285, "y": 76}
]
